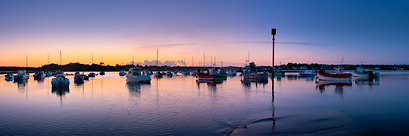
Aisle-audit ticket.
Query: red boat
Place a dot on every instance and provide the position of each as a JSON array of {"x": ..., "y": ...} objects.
[
  {"x": 339, "y": 75},
  {"x": 210, "y": 75}
]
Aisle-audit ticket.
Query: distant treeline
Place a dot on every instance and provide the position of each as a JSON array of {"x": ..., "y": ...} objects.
[
  {"x": 289, "y": 66},
  {"x": 346, "y": 66},
  {"x": 97, "y": 67}
]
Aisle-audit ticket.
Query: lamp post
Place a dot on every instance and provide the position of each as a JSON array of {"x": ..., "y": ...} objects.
[{"x": 273, "y": 32}]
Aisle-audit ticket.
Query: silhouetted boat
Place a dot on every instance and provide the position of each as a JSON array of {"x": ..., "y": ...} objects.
[
  {"x": 39, "y": 75},
  {"x": 9, "y": 77},
  {"x": 78, "y": 78},
  {"x": 92, "y": 74},
  {"x": 122, "y": 73},
  {"x": 102, "y": 73}
]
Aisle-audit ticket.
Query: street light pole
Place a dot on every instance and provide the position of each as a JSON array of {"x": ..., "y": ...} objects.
[{"x": 273, "y": 32}]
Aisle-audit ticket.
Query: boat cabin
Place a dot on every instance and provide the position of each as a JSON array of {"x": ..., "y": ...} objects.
[{"x": 135, "y": 71}]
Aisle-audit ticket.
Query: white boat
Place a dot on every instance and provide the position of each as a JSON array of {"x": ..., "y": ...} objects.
[
  {"x": 39, "y": 75},
  {"x": 231, "y": 73},
  {"x": 307, "y": 73},
  {"x": 60, "y": 81},
  {"x": 193, "y": 73},
  {"x": 135, "y": 75},
  {"x": 21, "y": 75},
  {"x": 362, "y": 72},
  {"x": 122, "y": 73},
  {"x": 186, "y": 73}
]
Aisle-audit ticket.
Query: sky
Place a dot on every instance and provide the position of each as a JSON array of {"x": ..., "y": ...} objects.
[{"x": 86, "y": 31}]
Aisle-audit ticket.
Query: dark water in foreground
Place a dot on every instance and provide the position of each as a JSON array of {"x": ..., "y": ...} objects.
[{"x": 178, "y": 105}]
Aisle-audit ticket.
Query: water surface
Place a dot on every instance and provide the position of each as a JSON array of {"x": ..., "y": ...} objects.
[{"x": 179, "y": 105}]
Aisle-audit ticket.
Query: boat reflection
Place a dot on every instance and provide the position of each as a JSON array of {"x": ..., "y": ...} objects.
[
  {"x": 135, "y": 88},
  {"x": 21, "y": 85},
  {"x": 60, "y": 91},
  {"x": 210, "y": 83},
  {"x": 339, "y": 85},
  {"x": 247, "y": 83},
  {"x": 369, "y": 81}
]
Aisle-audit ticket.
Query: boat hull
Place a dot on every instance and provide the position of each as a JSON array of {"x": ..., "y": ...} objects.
[
  {"x": 56, "y": 82},
  {"x": 334, "y": 77},
  {"x": 140, "y": 79},
  {"x": 208, "y": 77}
]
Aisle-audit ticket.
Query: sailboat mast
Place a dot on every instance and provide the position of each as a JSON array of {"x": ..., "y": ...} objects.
[
  {"x": 60, "y": 61},
  {"x": 204, "y": 60},
  {"x": 27, "y": 62},
  {"x": 157, "y": 57},
  {"x": 215, "y": 61},
  {"x": 193, "y": 64},
  {"x": 132, "y": 60}
]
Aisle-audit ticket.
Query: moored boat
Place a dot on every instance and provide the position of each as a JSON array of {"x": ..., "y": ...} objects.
[
  {"x": 39, "y": 75},
  {"x": 339, "y": 75},
  {"x": 250, "y": 75},
  {"x": 122, "y": 73},
  {"x": 9, "y": 77},
  {"x": 361, "y": 72},
  {"x": 92, "y": 74},
  {"x": 135, "y": 75},
  {"x": 21, "y": 75},
  {"x": 102, "y": 73},
  {"x": 60, "y": 81},
  {"x": 231, "y": 73},
  {"x": 78, "y": 78},
  {"x": 307, "y": 73},
  {"x": 210, "y": 75}
]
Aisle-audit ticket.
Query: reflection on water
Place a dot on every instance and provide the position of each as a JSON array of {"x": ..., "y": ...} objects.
[
  {"x": 60, "y": 91},
  {"x": 366, "y": 81},
  {"x": 339, "y": 85},
  {"x": 247, "y": 83},
  {"x": 136, "y": 88},
  {"x": 183, "y": 106}
]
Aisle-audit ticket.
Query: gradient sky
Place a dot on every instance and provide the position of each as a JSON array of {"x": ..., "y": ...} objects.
[{"x": 372, "y": 32}]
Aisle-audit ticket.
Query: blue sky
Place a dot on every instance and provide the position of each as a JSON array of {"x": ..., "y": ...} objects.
[{"x": 307, "y": 31}]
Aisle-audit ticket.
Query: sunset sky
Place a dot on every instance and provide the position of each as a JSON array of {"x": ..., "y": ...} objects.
[{"x": 307, "y": 31}]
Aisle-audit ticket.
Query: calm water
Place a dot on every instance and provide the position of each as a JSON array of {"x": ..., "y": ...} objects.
[{"x": 178, "y": 105}]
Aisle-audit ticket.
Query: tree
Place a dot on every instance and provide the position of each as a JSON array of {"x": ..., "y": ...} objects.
[{"x": 252, "y": 65}]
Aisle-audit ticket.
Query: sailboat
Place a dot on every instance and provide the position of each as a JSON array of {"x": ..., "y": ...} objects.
[
  {"x": 60, "y": 80},
  {"x": 92, "y": 74},
  {"x": 22, "y": 74},
  {"x": 157, "y": 74},
  {"x": 102, "y": 71},
  {"x": 48, "y": 73}
]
